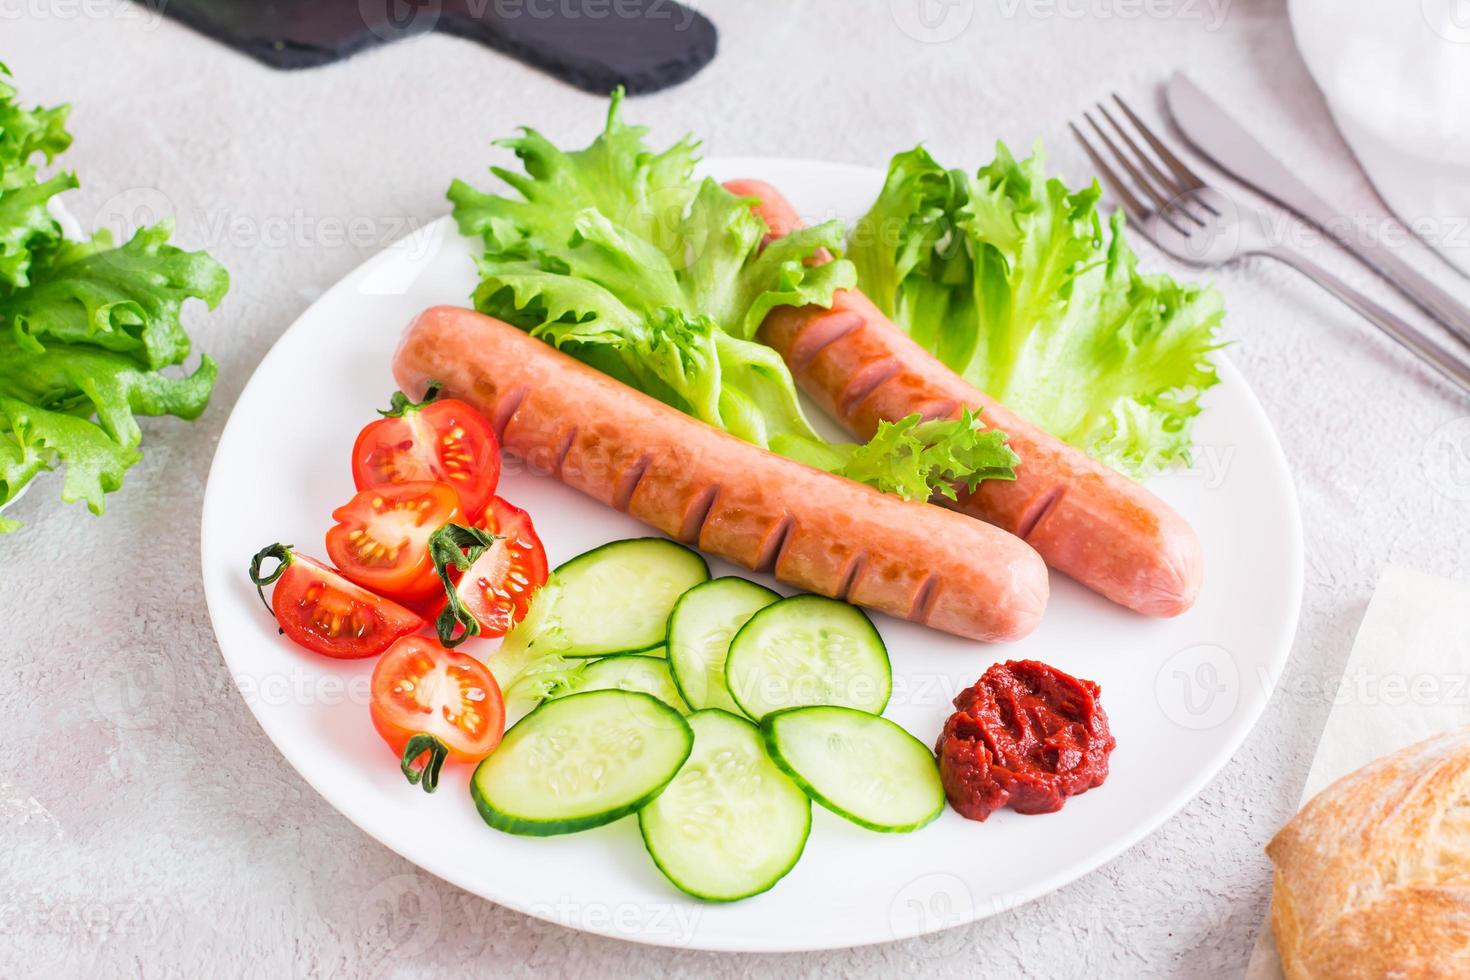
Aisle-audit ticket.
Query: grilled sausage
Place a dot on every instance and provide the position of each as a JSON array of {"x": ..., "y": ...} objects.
[
  {"x": 1086, "y": 520},
  {"x": 707, "y": 488}
]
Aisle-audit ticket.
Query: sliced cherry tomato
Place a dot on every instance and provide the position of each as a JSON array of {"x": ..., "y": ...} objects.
[
  {"x": 429, "y": 608},
  {"x": 381, "y": 540},
  {"x": 498, "y": 587},
  {"x": 444, "y": 440},
  {"x": 430, "y": 704},
  {"x": 322, "y": 611}
]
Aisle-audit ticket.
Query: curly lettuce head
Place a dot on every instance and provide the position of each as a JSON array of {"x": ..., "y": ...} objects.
[
  {"x": 622, "y": 257},
  {"x": 1017, "y": 284},
  {"x": 85, "y": 327}
]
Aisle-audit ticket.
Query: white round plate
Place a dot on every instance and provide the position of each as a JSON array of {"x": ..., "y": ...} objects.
[{"x": 1181, "y": 694}]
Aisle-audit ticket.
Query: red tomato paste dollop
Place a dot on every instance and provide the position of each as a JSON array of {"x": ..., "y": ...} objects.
[{"x": 1026, "y": 735}]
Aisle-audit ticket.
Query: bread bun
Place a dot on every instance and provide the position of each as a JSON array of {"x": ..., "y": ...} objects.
[{"x": 1372, "y": 877}]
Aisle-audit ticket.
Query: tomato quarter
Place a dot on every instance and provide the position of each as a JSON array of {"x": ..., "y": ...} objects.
[
  {"x": 444, "y": 440},
  {"x": 381, "y": 540},
  {"x": 319, "y": 609},
  {"x": 498, "y": 587},
  {"x": 430, "y": 704}
]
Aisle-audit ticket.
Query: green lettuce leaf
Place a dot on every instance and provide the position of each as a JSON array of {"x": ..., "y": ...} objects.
[
  {"x": 26, "y": 132},
  {"x": 28, "y": 232},
  {"x": 915, "y": 458},
  {"x": 1017, "y": 284},
  {"x": 27, "y": 229},
  {"x": 84, "y": 326},
  {"x": 623, "y": 258},
  {"x": 909, "y": 455},
  {"x": 126, "y": 299},
  {"x": 48, "y": 401}
]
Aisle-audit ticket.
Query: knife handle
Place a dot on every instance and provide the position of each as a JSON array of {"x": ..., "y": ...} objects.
[
  {"x": 1448, "y": 362},
  {"x": 1295, "y": 196},
  {"x": 1431, "y": 298}
]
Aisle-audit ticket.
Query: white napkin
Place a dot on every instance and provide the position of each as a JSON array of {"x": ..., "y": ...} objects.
[
  {"x": 1407, "y": 678},
  {"x": 1396, "y": 74}
]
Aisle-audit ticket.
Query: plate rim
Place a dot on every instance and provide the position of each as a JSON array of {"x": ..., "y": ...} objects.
[{"x": 1240, "y": 726}]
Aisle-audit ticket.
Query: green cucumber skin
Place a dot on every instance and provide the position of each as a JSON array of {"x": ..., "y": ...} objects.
[
  {"x": 773, "y": 749},
  {"x": 572, "y": 562},
  {"x": 805, "y": 836},
  {"x": 521, "y": 826},
  {"x": 660, "y": 661},
  {"x": 638, "y": 652},
  {"x": 590, "y": 555},
  {"x": 796, "y": 599},
  {"x": 669, "y": 631}
]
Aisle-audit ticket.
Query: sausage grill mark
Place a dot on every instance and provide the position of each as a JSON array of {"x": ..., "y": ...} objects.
[
  {"x": 850, "y": 575},
  {"x": 945, "y": 408},
  {"x": 507, "y": 408},
  {"x": 628, "y": 483},
  {"x": 1039, "y": 510},
  {"x": 826, "y": 331},
  {"x": 562, "y": 451},
  {"x": 922, "y": 598},
  {"x": 867, "y": 381},
  {"x": 775, "y": 546},
  {"x": 699, "y": 512}
]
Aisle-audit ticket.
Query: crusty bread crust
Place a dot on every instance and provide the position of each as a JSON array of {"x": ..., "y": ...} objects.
[{"x": 1372, "y": 877}]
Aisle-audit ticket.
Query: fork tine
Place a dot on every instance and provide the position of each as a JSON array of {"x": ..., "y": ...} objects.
[
  {"x": 1186, "y": 176},
  {"x": 1161, "y": 200},
  {"x": 1131, "y": 204},
  {"x": 1173, "y": 189}
]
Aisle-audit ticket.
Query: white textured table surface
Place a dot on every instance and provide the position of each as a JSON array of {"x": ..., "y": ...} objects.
[{"x": 150, "y": 827}]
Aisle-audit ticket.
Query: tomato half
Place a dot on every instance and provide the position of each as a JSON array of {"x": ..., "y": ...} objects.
[
  {"x": 381, "y": 539},
  {"x": 444, "y": 440},
  {"x": 498, "y": 587},
  {"x": 430, "y": 704},
  {"x": 319, "y": 609}
]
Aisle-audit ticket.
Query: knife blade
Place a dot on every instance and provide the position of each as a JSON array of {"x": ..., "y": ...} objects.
[{"x": 1214, "y": 133}]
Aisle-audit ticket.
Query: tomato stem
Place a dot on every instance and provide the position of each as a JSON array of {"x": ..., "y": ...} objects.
[
  {"x": 280, "y": 552},
  {"x": 399, "y": 405},
  {"x": 437, "y": 752},
  {"x": 460, "y": 546}
]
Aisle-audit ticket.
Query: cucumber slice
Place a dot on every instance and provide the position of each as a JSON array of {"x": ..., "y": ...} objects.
[
  {"x": 543, "y": 680},
  {"x": 700, "y": 629},
  {"x": 628, "y": 672},
  {"x": 580, "y": 762},
  {"x": 617, "y": 598},
  {"x": 857, "y": 765},
  {"x": 808, "y": 649},
  {"x": 731, "y": 824}
]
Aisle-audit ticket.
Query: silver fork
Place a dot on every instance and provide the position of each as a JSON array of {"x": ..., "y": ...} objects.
[{"x": 1198, "y": 225}]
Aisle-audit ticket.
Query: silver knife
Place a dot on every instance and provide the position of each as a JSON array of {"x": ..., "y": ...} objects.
[{"x": 1223, "y": 140}]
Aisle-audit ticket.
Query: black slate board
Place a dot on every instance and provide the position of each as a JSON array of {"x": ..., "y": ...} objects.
[{"x": 596, "y": 45}]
